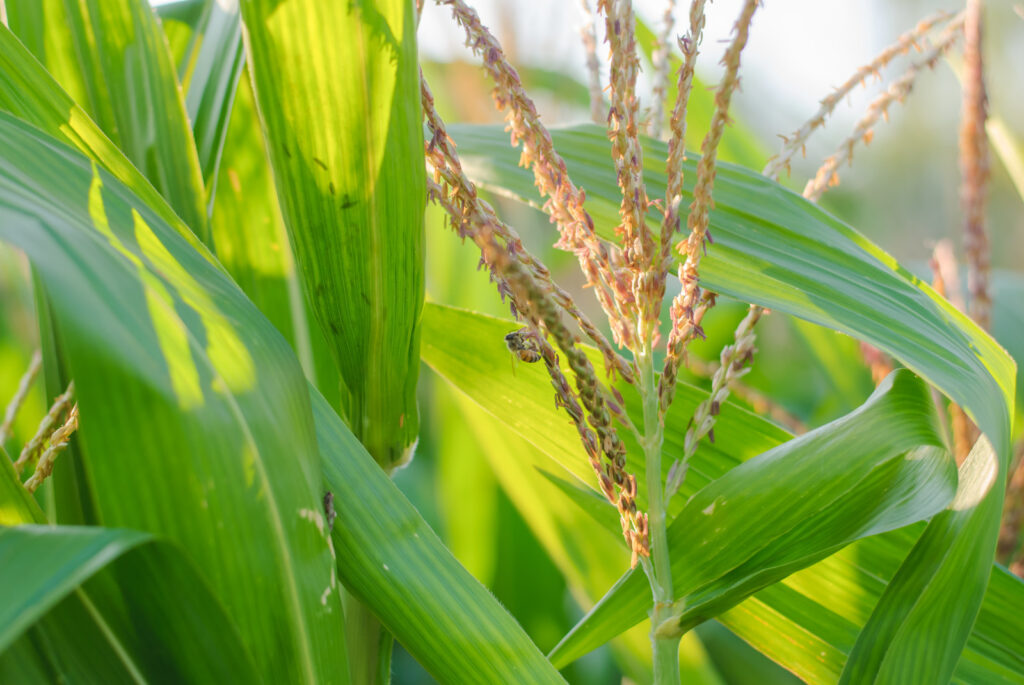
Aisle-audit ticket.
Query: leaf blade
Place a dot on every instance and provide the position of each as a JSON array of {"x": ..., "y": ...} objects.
[
  {"x": 147, "y": 314},
  {"x": 114, "y": 57},
  {"x": 809, "y": 621},
  {"x": 444, "y": 617},
  {"x": 346, "y": 147}
]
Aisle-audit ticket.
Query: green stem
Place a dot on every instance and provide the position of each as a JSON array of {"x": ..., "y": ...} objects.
[
  {"x": 666, "y": 649},
  {"x": 369, "y": 645}
]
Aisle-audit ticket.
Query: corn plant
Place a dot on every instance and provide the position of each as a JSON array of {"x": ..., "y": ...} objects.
[{"x": 223, "y": 205}]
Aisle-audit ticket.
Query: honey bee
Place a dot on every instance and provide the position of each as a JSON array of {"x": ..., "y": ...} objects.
[{"x": 522, "y": 345}]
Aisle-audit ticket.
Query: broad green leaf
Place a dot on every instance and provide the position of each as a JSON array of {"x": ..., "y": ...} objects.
[
  {"x": 337, "y": 87},
  {"x": 776, "y": 249},
  {"x": 824, "y": 605},
  {"x": 194, "y": 402},
  {"x": 29, "y": 93},
  {"x": 252, "y": 244},
  {"x": 215, "y": 62},
  {"x": 175, "y": 630},
  {"x": 391, "y": 560},
  {"x": 926, "y": 599},
  {"x": 580, "y": 546},
  {"x": 886, "y": 468},
  {"x": 112, "y": 57}
]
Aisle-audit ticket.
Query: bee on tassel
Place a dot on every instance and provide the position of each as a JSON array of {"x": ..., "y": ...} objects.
[{"x": 523, "y": 346}]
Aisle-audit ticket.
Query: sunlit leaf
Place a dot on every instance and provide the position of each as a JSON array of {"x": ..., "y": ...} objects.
[
  {"x": 824, "y": 604},
  {"x": 112, "y": 57},
  {"x": 194, "y": 405},
  {"x": 28, "y": 92},
  {"x": 215, "y": 60},
  {"x": 774, "y": 248},
  {"x": 346, "y": 146},
  {"x": 392, "y": 560}
]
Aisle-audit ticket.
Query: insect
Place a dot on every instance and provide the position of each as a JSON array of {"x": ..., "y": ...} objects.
[
  {"x": 329, "y": 510},
  {"x": 522, "y": 345}
]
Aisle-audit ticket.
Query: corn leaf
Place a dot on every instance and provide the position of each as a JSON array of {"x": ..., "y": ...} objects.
[
  {"x": 927, "y": 600},
  {"x": 774, "y": 248},
  {"x": 391, "y": 560},
  {"x": 253, "y": 246},
  {"x": 28, "y": 92},
  {"x": 825, "y": 604},
  {"x": 346, "y": 147},
  {"x": 240, "y": 493},
  {"x": 77, "y": 631},
  {"x": 215, "y": 59},
  {"x": 779, "y": 512},
  {"x": 194, "y": 401},
  {"x": 112, "y": 57},
  {"x": 47, "y": 565}
]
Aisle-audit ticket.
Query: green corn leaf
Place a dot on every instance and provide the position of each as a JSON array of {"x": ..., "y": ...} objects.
[
  {"x": 194, "y": 401},
  {"x": 112, "y": 57},
  {"x": 779, "y": 512},
  {"x": 88, "y": 636},
  {"x": 774, "y": 248},
  {"x": 346, "y": 146},
  {"x": 253, "y": 246},
  {"x": 50, "y": 585},
  {"x": 825, "y": 604},
  {"x": 391, "y": 560},
  {"x": 215, "y": 62},
  {"x": 28, "y": 92},
  {"x": 926, "y": 598}
]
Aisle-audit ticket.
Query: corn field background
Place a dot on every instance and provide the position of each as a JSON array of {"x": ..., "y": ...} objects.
[{"x": 375, "y": 342}]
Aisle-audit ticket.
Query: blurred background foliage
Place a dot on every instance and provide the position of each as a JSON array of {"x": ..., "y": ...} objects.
[{"x": 471, "y": 478}]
